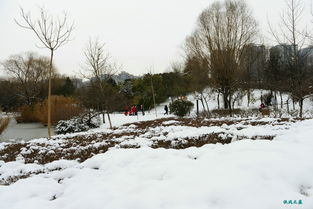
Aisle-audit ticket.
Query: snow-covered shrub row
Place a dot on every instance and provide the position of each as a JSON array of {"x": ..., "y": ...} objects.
[
  {"x": 77, "y": 124},
  {"x": 247, "y": 174}
]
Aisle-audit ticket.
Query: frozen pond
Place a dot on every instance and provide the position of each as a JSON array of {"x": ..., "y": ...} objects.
[{"x": 23, "y": 131}]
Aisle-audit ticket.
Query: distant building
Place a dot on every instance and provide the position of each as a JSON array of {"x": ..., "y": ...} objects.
[
  {"x": 254, "y": 60},
  {"x": 118, "y": 78},
  {"x": 284, "y": 52},
  {"x": 77, "y": 82},
  {"x": 307, "y": 56},
  {"x": 122, "y": 76}
]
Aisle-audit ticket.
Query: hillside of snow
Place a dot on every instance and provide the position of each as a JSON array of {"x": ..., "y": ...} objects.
[{"x": 146, "y": 167}]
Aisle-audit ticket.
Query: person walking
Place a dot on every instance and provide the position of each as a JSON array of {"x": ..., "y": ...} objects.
[
  {"x": 166, "y": 110},
  {"x": 134, "y": 110}
]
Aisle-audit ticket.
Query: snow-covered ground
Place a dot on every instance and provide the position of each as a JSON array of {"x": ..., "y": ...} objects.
[
  {"x": 244, "y": 174},
  {"x": 119, "y": 119}
]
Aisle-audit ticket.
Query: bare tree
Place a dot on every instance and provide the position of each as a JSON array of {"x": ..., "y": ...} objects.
[
  {"x": 30, "y": 71},
  {"x": 52, "y": 33},
  {"x": 100, "y": 69},
  {"x": 98, "y": 63},
  {"x": 222, "y": 32},
  {"x": 292, "y": 37}
]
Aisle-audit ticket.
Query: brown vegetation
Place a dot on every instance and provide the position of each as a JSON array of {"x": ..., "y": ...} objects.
[
  {"x": 265, "y": 112},
  {"x": 4, "y": 122},
  {"x": 63, "y": 108},
  {"x": 27, "y": 114},
  {"x": 81, "y": 146}
]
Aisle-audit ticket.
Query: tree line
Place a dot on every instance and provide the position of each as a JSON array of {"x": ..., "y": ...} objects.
[{"x": 221, "y": 53}]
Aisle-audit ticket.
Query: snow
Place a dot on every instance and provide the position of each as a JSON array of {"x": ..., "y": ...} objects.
[
  {"x": 119, "y": 119},
  {"x": 245, "y": 174}
]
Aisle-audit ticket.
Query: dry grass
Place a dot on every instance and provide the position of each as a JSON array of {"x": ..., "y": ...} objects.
[
  {"x": 265, "y": 112},
  {"x": 62, "y": 108},
  {"x": 4, "y": 122}
]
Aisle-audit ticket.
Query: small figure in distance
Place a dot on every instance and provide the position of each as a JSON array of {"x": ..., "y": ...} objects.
[
  {"x": 166, "y": 110},
  {"x": 134, "y": 110},
  {"x": 262, "y": 106},
  {"x": 142, "y": 110}
]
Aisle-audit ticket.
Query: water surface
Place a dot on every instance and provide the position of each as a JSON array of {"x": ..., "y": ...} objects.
[{"x": 23, "y": 131}]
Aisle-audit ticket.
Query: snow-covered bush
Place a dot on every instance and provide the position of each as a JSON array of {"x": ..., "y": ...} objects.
[
  {"x": 77, "y": 124},
  {"x": 181, "y": 107}
]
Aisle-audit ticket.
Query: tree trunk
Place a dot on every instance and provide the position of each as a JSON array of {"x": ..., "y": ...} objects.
[
  {"x": 248, "y": 97},
  {"x": 276, "y": 103},
  {"x": 109, "y": 119},
  {"x": 197, "y": 107},
  {"x": 226, "y": 103},
  {"x": 287, "y": 102},
  {"x": 233, "y": 103},
  {"x": 204, "y": 110},
  {"x": 218, "y": 101},
  {"x": 103, "y": 117},
  {"x": 301, "y": 107},
  {"x": 281, "y": 100},
  {"x": 49, "y": 96},
  {"x": 229, "y": 106},
  {"x": 206, "y": 104}
]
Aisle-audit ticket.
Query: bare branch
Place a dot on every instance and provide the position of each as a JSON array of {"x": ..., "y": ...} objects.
[{"x": 51, "y": 33}]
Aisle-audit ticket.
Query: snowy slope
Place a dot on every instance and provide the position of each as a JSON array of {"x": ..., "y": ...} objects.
[
  {"x": 255, "y": 101},
  {"x": 245, "y": 174}
]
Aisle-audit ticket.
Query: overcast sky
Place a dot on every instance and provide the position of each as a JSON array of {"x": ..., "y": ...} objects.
[{"x": 139, "y": 34}]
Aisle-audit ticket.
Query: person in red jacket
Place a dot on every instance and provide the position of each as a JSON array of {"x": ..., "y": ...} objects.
[
  {"x": 135, "y": 110},
  {"x": 262, "y": 106},
  {"x": 126, "y": 108}
]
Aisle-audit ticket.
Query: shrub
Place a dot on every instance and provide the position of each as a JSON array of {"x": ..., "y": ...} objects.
[
  {"x": 77, "y": 124},
  {"x": 181, "y": 107},
  {"x": 243, "y": 113},
  {"x": 62, "y": 108},
  {"x": 4, "y": 122},
  {"x": 27, "y": 114}
]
